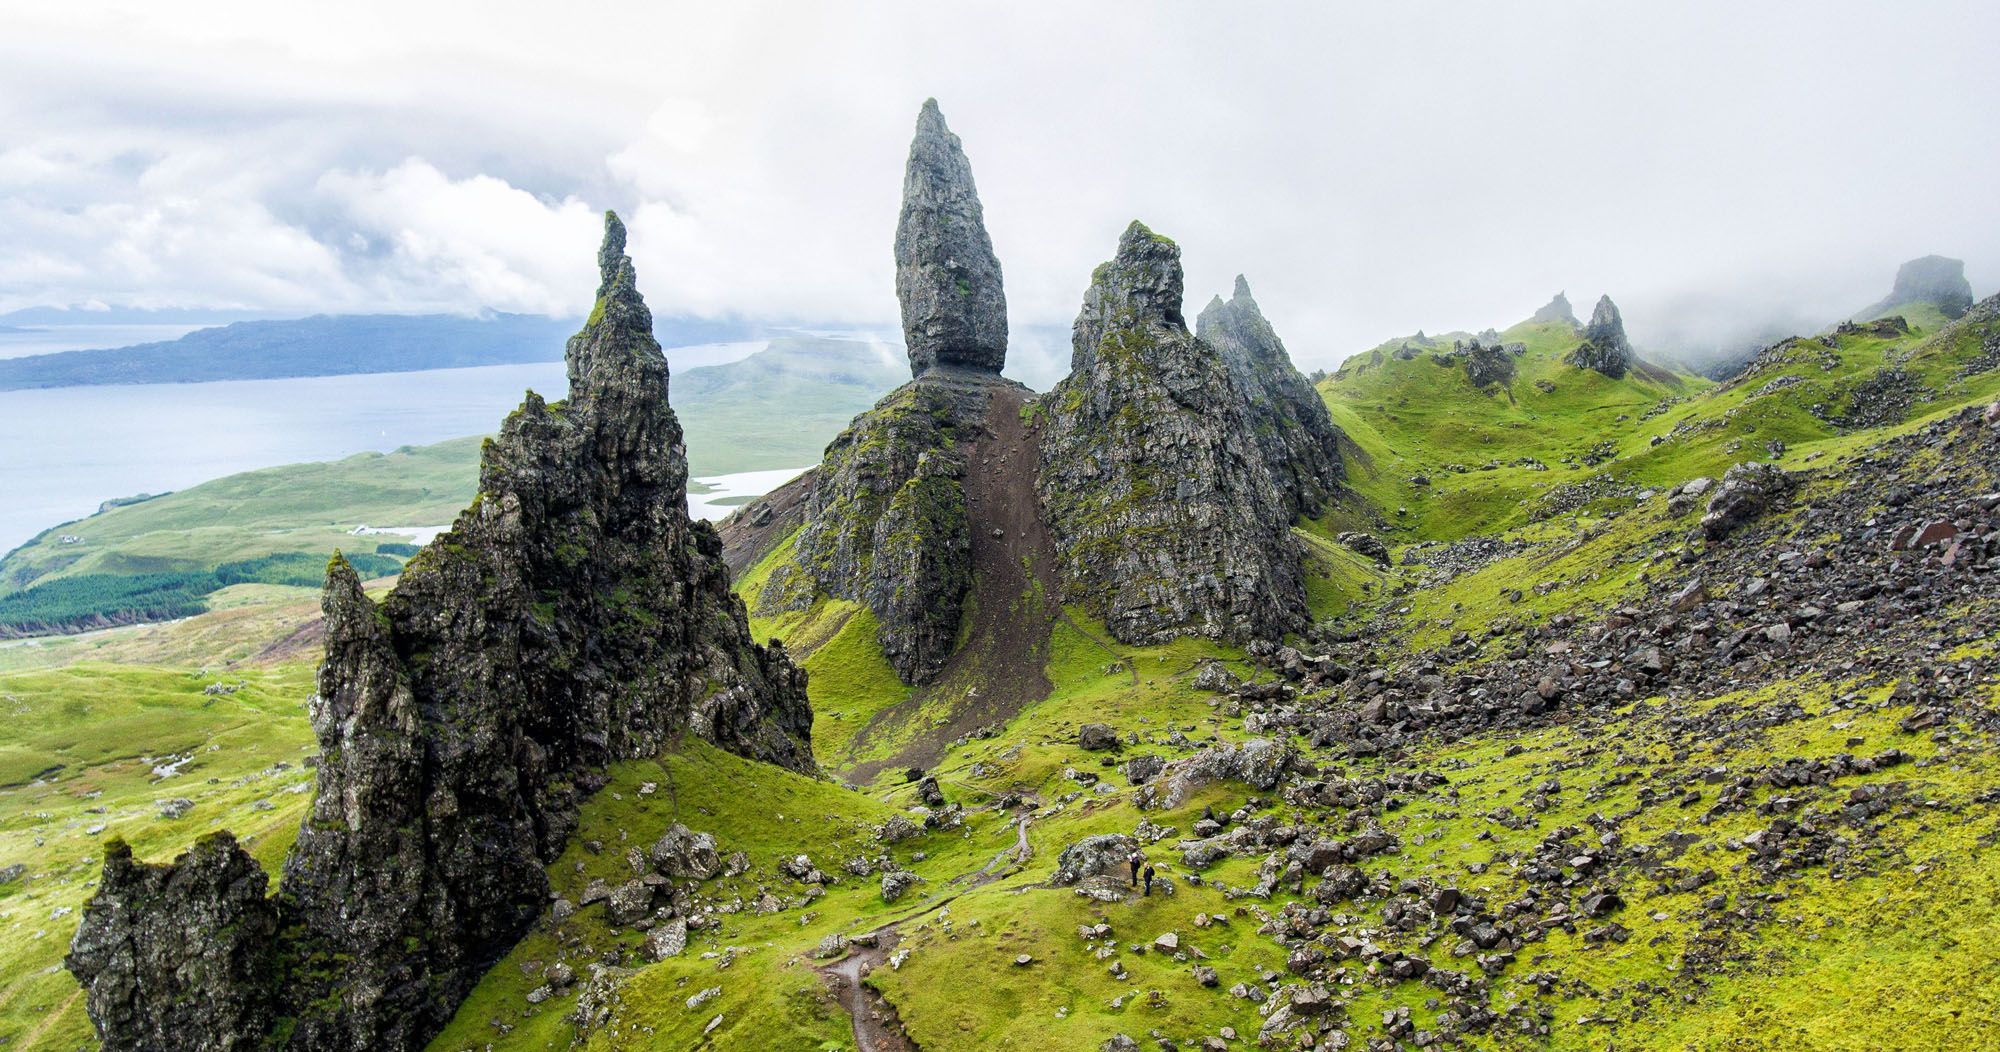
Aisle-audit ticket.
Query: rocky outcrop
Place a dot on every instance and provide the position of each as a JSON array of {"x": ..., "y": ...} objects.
[
  {"x": 947, "y": 279},
  {"x": 1300, "y": 442},
  {"x": 887, "y": 523},
  {"x": 1488, "y": 364},
  {"x": 1604, "y": 347},
  {"x": 1165, "y": 516},
  {"x": 1930, "y": 279},
  {"x": 573, "y": 616},
  {"x": 1555, "y": 310},
  {"x": 180, "y": 956}
]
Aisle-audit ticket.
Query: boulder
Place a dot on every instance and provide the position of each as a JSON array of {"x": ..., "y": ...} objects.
[
  {"x": 1095, "y": 737},
  {"x": 685, "y": 854},
  {"x": 1747, "y": 491},
  {"x": 1104, "y": 853}
]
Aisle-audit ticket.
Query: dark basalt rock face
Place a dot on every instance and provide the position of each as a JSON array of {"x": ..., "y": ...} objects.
[
  {"x": 947, "y": 279},
  {"x": 1163, "y": 508},
  {"x": 1929, "y": 279},
  {"x": 573, "y": 616},
  {"x": 1300, "y": 442},
  {"x": 1557, "y": 309},
  {"x": 180, "y": 956},
  {"x": 1604, "y": 347},
  {"x": 886, "y": 524}
]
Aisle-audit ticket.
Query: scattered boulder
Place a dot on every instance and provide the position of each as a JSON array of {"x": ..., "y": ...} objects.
[
  {"x": 667, "y": 940},
  {"x": 1747, "y": 491},
  {"x": 1095, "y": 737},
  {"x": 685, "y": 854}
]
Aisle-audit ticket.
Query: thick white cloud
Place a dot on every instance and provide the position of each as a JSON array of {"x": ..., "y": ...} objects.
[
  {"x": 1372, "y": 169},
  {"x": 477, "y": 240}
]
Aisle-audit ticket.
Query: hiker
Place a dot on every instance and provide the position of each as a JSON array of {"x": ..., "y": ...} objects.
[
  {"x": 1136, "y": 860},
  {"x": 1149, "y": 878}
]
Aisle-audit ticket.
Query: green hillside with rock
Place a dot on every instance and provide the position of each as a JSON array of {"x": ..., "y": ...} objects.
[{"x": 1500, "y": 691}]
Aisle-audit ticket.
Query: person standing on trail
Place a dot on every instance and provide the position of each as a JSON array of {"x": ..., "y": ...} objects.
[
  {"x": 1149, "y": 878},
  {"x": 1136, "y": 860}
]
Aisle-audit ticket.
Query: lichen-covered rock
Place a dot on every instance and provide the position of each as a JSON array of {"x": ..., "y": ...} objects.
[
  {"x": 1259, "y": 763},
  {"x": 181, "y": 956},
  {"x": 1604, "y": 347},
  {"x": 684, "y": 854},
  {"x": 1747, "y": 491},
  {"x": 1300, "y": 441},
  {"x": 572, "y": 617},
  {"x": 947, "y": 279},
  {"x": 1555, "y": 310},
  {"x": 1159, "y": 498},
  {"x": 1104, "y": 853},
  {"x": 1938, "y": 280}
]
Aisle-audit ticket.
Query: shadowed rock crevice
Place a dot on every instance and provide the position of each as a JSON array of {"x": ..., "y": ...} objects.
[{"x": 573, "y": 616}]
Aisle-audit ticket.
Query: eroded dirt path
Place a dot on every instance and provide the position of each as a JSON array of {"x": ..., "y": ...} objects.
[
  {"x": 1001, "y": 667},
  {"x": 877, "y": 1028}
]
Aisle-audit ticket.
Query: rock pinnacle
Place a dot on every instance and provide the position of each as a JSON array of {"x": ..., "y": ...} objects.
[{"x": 947, "y": 279}]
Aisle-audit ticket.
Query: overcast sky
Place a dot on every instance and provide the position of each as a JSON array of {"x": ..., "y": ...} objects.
[{"x": 1373, "y": 169}]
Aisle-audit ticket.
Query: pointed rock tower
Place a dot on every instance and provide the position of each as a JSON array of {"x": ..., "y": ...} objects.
[
  {"x": 1555, "y": 310},
  {"x": 947, "y": 279},
  {"x": 1604, "y": 347},
  {"x": 573, "y": 616},
  {"x": 888, "y": 522},
  {"x": 1300, "y": 442},
  {"x": 1166, "y": 517}
]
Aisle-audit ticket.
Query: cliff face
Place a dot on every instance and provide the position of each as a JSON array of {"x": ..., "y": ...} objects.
[
  {"x": 1300, "y": 443},
  {"x": 947, "y": 279},
  {"x": 1604, "y": 347},
  {"x": 886, "y": 523},
  {"x": 1165, "y": 513},
  {"x": 573, "y": 616}
]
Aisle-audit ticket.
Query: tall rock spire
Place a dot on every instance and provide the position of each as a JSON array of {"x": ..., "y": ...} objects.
[
  {"x": 947, "y": 279},
  {"x": 572, "y": 617},
  {"x": 1604, "y": 347},
  {"x": 1555, "y": 310}
]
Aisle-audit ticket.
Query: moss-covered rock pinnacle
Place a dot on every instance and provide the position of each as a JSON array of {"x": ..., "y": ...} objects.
[
  {"x": 947, "y": 279},
  {"x": 573, "y": 616}
]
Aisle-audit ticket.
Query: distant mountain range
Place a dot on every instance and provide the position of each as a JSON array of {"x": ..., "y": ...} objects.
[{"x": 333, "y": 345}]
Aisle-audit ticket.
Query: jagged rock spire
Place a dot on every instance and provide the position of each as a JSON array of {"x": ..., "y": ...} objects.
[
  {"x": 1300, "y": 442},
  {"x": 1164, "y": 512},
  {"x": 1604, "y": 347},
  {"x": 947, "y": 279},
  {"x": 1557, "y": 309},
  {"x": 572, "y": 617}
]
